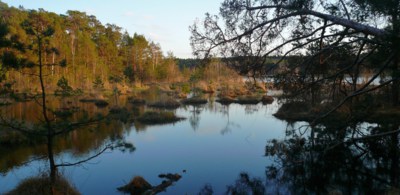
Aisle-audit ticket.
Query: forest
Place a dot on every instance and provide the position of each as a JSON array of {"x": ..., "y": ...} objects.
[
  {"x": 81, "y": 53},
  {"x": 292, "y": 96}
]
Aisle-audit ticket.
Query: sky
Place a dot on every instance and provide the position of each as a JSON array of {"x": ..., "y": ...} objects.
[{"x": 162, "y": 21}]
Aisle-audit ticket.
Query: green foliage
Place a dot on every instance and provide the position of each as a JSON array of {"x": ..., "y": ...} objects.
[
  {"x": 185, "y": 88},
  {"x": 63, "y": 63},
  {"x": 129, "y": 74},
  {"x": 2, "y": 72},
  {"x": 115, "y": 78},
  {"x": 197, "y": 74},
  {"x": 63, "y": 88},
  {"x": 89, "y": 47},
  {"x": 7, "y": 88},
  {"x": 98, "y": 83},
  {"x": 116, "y": 91}
]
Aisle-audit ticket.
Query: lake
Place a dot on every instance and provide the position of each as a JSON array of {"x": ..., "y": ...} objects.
[{"x": 213, "y": 146}]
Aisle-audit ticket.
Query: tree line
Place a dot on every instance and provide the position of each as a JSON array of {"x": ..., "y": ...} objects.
[{"x": 81, "y": 52}]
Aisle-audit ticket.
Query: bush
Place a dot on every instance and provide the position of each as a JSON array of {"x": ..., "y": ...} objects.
[
  {"x": 63, "y": 88},
  {"x": 98, "y": 83},
  {"x": 185, "y": 88}
]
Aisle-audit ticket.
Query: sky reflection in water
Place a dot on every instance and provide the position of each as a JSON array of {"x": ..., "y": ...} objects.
[{"x": 214, "y": 145}]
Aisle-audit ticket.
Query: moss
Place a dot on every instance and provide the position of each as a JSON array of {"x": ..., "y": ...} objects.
[
  {"x": 152, "y": 117},
  {"x": 168, "y": 103},
  {"x": 194, "y": 101}
]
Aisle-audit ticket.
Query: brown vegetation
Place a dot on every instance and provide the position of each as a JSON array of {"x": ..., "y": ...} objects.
[
  {"x": 42, "y": 185},
  {"x": 152, "y": 117},
  {"x": 266, "y": 99},
  {"x": 248, "y": 100},
  {"x": 194, "y": 101},
  {"x": 136, "y": 100},
  {"x": 138, "y": 185},
  {"x": 167, "y": 103}
]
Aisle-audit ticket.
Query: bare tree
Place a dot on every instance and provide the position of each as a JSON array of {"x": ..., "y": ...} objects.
[{"x": 259, "y": 29}]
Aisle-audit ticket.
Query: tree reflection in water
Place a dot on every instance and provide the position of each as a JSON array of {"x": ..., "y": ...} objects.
[
  {"x": 72, "y": 132},
  {"x": 329, "y": 160},
  {"x": 243, "y": 185}
]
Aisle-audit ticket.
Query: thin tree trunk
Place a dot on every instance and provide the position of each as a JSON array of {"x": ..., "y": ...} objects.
[{"x": 50, "y": 131}]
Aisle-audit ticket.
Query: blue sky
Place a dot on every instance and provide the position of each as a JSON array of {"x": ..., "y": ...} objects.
[{"x": 164, "y": 21}]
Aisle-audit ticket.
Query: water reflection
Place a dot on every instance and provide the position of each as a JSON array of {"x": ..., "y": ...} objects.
[
  {"x": 194, "y": 118},
  {"x": 61, "y": 132},
  {"x": 332, "y": 157},
  {"x": 243, "y": 185},
  {"x": 215, "y": 145}
]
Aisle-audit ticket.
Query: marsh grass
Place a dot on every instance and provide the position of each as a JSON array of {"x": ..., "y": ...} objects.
[
  {"x": 153, "y": 117},
  {"x": 42, "y": 185},
  {"x": 167, "y": 103}
]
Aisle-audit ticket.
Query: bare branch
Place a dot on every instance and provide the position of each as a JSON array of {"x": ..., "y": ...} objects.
[
  {"x": 344, "y": 22},
  {"x": 85, "y": 160}
]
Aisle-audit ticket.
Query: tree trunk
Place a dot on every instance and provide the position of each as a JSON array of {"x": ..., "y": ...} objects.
[
  {"x": 50, "y": 132},
  {"x": 395, "y": 66}
]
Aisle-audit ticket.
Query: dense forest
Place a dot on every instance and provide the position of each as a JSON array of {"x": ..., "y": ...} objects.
[{"x": 91, "y": 53}]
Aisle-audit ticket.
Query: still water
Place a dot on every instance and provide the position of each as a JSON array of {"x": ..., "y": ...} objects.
[{"x": 213, "y": 145}]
